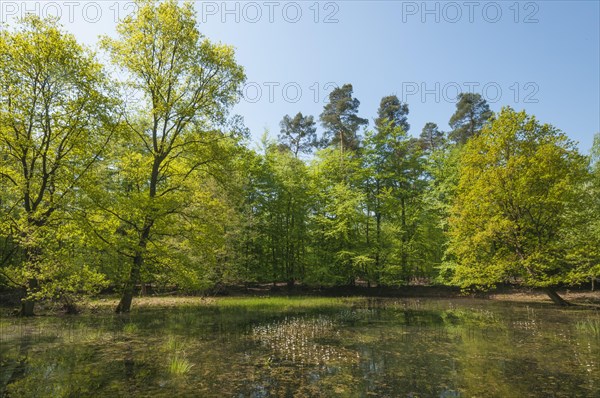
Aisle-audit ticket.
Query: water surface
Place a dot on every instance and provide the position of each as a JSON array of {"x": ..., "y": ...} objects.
[{"x": 325, "y": 347}]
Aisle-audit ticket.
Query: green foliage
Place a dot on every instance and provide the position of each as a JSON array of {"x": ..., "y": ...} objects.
[
  {"x": 340, "y": 119},
  {"x": 179, "y": 365},
  {"x": 186, "y": 85},
  {"x": 392, "y": 110},
  {"x": 431, "y": 137},
  {"x": 472, "y": 112},
  {"x": 148, "y": 181},
  {"x": 277, "y": 205},
  {"x": 589, "y": 326},
  {"x": 298, "y": 134},
  {"x": 583, "y": 234},
  {"x": 54, "y": 125},
  {"x": 337, "y": 218},
  {"x": 406, "y": 225},
  {"x": 516, "y": 182}
]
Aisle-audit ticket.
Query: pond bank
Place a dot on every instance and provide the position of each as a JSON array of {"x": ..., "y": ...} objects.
[{"x": 107, "y": 302}]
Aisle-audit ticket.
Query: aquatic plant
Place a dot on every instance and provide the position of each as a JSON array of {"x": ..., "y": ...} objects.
[
  {"x": 130, "y": 328},
  {"x": 179, "y": 365},
  {"x": 589, "y": 326}
]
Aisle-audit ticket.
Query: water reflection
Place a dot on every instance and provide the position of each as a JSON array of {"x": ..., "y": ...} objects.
[{"x": 385, "y": 348}]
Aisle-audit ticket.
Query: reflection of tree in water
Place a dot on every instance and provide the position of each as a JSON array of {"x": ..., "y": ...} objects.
[
  {"x": 518, "y": 351},
  {"x": 405, "y": 361},
  {"x": 14, "y": 365},
  {"x": 72, "y": 359}
]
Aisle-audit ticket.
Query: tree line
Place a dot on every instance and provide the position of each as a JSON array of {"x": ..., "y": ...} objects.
[{"x": 147, "y": 180}]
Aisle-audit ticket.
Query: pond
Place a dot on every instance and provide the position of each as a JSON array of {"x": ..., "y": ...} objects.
[{"x": 307, "y": 347}]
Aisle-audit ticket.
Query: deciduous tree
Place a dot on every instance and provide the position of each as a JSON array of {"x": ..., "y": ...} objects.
[
  {"x": 518, "y": 179},
  {"x": 186, "y": 85},
  {"x": 54, "y": 124}
]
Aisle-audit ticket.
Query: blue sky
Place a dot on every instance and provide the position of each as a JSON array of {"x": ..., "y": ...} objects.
[{"x": 541, "y": 56}]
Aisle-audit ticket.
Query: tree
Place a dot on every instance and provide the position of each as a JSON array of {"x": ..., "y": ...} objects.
[
  {"x": 442, "y": 174},
  {"x": 517, "y": 181},
  {"x": 431, "y": 137},
  {"x": 283, "y": 210},
  {"x": 395, "y": 188},
  {"x": 186, "y": 85},
  {"x": 582, "y": 236},
  {"x": 391, "y": 110},
  {"x": 595, "y": 152},
  {"x": 54, "y": 123},
  {"x": 338, "y": 219},
  {"x": 299, "y": 133},
  {"x": 472, "y": 111},
  {"x": 593, "y": 238},
  {"x": 340, "y": 120}
]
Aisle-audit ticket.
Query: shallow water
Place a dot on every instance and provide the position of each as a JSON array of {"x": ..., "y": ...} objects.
[{"x": 347, "y": 348}]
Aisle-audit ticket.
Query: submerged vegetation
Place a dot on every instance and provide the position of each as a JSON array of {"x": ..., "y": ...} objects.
[{"x": 331, "y": 347}]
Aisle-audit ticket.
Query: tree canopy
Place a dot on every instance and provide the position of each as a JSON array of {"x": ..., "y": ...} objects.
[
  {"x": 472, "y": 111},
  {"x": 517, "y": 182},
  {"x": 340, "y": 119},
  {"x": 143, "y": 180}
]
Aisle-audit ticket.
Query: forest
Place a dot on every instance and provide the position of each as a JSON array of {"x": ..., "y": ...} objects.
[{"x": 123, "y": 169}]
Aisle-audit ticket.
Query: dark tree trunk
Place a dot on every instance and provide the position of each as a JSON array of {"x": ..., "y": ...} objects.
[
  {"x": 27, "y": 304},
  {"x": 27, "y": 307},
  {"x": 556, "y": 299},
  {"x": 404, "y": 256},
  {"x": 21, "y": 363},
  {"x": 134, "y": 276},
  {"x": 31, "y": 255}
]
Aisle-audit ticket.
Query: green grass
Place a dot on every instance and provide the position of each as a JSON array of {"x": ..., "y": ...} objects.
[
  {"x": 248, "y": 302},
  {"x": 296, "y": 302},
  {"x": 179, "y": 365},
  {"x": 590, "y": 326},
  {"x": 130, "y": 328},
  {"x": 173, "y": 344}
]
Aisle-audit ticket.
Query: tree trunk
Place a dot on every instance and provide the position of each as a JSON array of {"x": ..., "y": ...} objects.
[
  {"x": 556, "y": 299},
  {"x": 27, "y": 304},
  {"x": 134, "y": 276},
  {"x": 378, "y": 233},
  {"x": 404, "y": 256},
  {"x": 32, "y": 256},
  {"x": 27, "y": 307}
]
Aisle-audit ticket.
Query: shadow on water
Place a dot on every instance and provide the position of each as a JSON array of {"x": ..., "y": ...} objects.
[{"x": 282, "y": 348}]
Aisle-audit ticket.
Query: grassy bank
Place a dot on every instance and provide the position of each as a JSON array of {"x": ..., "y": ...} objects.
[{"x": 268, "y": 298}]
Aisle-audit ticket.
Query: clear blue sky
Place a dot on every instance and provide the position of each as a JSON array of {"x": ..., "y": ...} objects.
[{"x": 541, "y": 56}]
